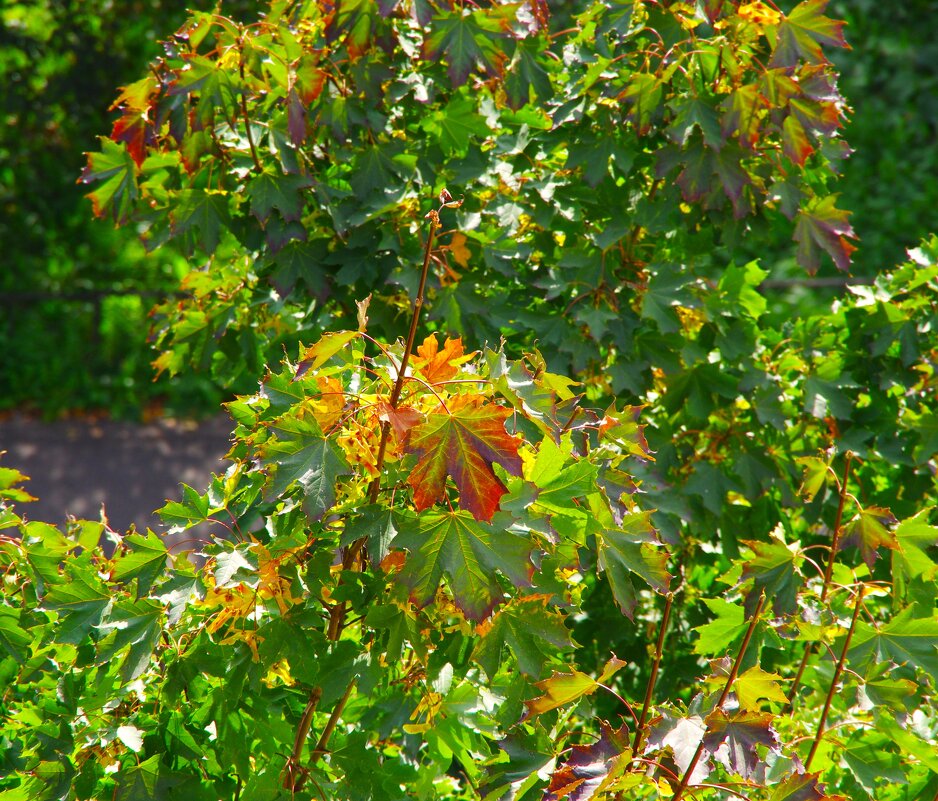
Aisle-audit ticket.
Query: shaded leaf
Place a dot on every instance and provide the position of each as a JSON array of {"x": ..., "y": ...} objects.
[
  {"x": 592, "y": 769},
  {"x": 632, "y": 548},
  {"x": 732, "y": 739},
  {"x": 533, "y": 632},
  {"x": 467, "y": 41},
  {"x": 802, "y": 33},
  {"x": 774, "y": 569},
  {"x": 822, "y": 226},
  {"x": 868, "y": 530}
]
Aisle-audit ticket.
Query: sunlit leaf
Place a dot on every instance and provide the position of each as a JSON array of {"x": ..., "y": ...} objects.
[{"x": 463, "y": 442}]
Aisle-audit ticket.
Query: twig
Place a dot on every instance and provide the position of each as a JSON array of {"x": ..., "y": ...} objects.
[
  {"x": 828, "y": 572},
  {"x": 653, "y": 678},
  {"x": 837, "y": 673},
  {"x": 726, "y": 691}
]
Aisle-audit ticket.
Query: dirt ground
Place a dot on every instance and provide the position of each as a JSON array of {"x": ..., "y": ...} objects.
[{"x": 78, "y": 465}]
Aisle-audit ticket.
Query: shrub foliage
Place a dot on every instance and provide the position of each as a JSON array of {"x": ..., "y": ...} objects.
[{"x": 538, "y": 505}]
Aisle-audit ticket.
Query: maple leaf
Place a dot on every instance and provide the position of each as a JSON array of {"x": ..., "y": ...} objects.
[
  {"x": 823, "y": 226},
  {"x": 755, "y": 684},
  {"x": 716, "y": 635},
  {"x": 302, "y": 454},
  {"x": 774, "y": 568},
  {"x": 464, "y": 444},
  {"x": 528, "y": 628},
  {"x": 468, "y": 40},
  {"x": 592, "y": 769},
  {"x": 564, "y": 688},
  {"x": 643, "y": 95},
  {"x": 270, "y": 190},
  {"x": 624, "y": 429},
  {"x": 911, "y": 559},
  {"x": 800, "y": 787},
  {"x": 205, "y": 209},
  {"x": 631, "y": 548},
  {"x": 905, "y": 640},
  {"x": 454, "y": 545},
  {"x": 868, "y": 530},
  {"x": 742, "y": 115},
  {"x": 118, "y": 193},
  {"x": 732, "y": 739},
  {"x": 315, "y": 356},
  {"x": 401, "y": 418},
  {"x": 802, "y": 33},
  {"x": 438, "y": 365},
  {"x": 682, "y": 735}
]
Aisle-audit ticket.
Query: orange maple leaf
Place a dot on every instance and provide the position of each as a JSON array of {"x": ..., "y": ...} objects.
[{"x": 437, "y": 365}]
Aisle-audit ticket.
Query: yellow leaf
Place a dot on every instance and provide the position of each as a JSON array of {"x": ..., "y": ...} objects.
[{"x": 754, "y": 684}]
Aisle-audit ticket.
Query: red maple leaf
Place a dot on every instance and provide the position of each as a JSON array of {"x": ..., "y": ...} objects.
[{"x": 463, "y": 441}]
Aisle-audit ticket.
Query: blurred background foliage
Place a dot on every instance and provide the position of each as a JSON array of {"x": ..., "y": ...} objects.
[{"x": 75, "y": 292}]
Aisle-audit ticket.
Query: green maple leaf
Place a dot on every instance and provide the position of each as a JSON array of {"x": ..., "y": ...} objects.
[
  {"x": 529, "y": 629},
  {"x": 822, "y": 226},
  {"x": 206, "y": 210},
  {"x": 717, "y": 635},
  {"x": 463, "y": 444},
  {"x": 82, "y": 605},
  {"x": 456, "y": 546},
  {"x": 356, "y": 20},
  {"x": 774, "y": 568},
  {"x": 631, "y": 548},
  {"x": 13, "y": 639},
  {"x": 525, "y": 76},
  {"x": 802, "y": 33},
  {"x": 455, "y": 124},
  {"x": 643, "y": 95},
  {"x": 905, "y": 640},
  {"x": 816, "y": 473},
  {"x": 136, "y": 626},
  {"x": 915, "y": 537},
  {"x": 868, "y": 530},
  {"x": 467, "y": 41},
  {"x": 300, "y": 453},
  {"x": 732, "y": 739},
  {"x": 270, "y": 190},
  {"x": 144, "y": 562},
  {"x": 118, "y": 193}
]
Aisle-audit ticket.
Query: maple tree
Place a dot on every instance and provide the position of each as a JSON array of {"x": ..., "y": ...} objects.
[{"x": 648, "y": 545}]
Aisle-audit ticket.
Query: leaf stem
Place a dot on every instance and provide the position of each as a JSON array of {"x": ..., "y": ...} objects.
[
  {"x": 838, "y": 671},
  {"x": 247, "y": 120},
  {"x": 828, "y": 572},
  {"x": 726, "y": 691},
  {"x": 337, "y": 613},
  {"x": 653, "y": 678}
]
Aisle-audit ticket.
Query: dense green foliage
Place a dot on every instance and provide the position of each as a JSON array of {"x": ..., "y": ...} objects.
[{"x": 647, "y": 540}]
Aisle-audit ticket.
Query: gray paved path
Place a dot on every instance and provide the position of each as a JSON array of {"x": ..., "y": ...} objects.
[{"x": 76, "y": 465}]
